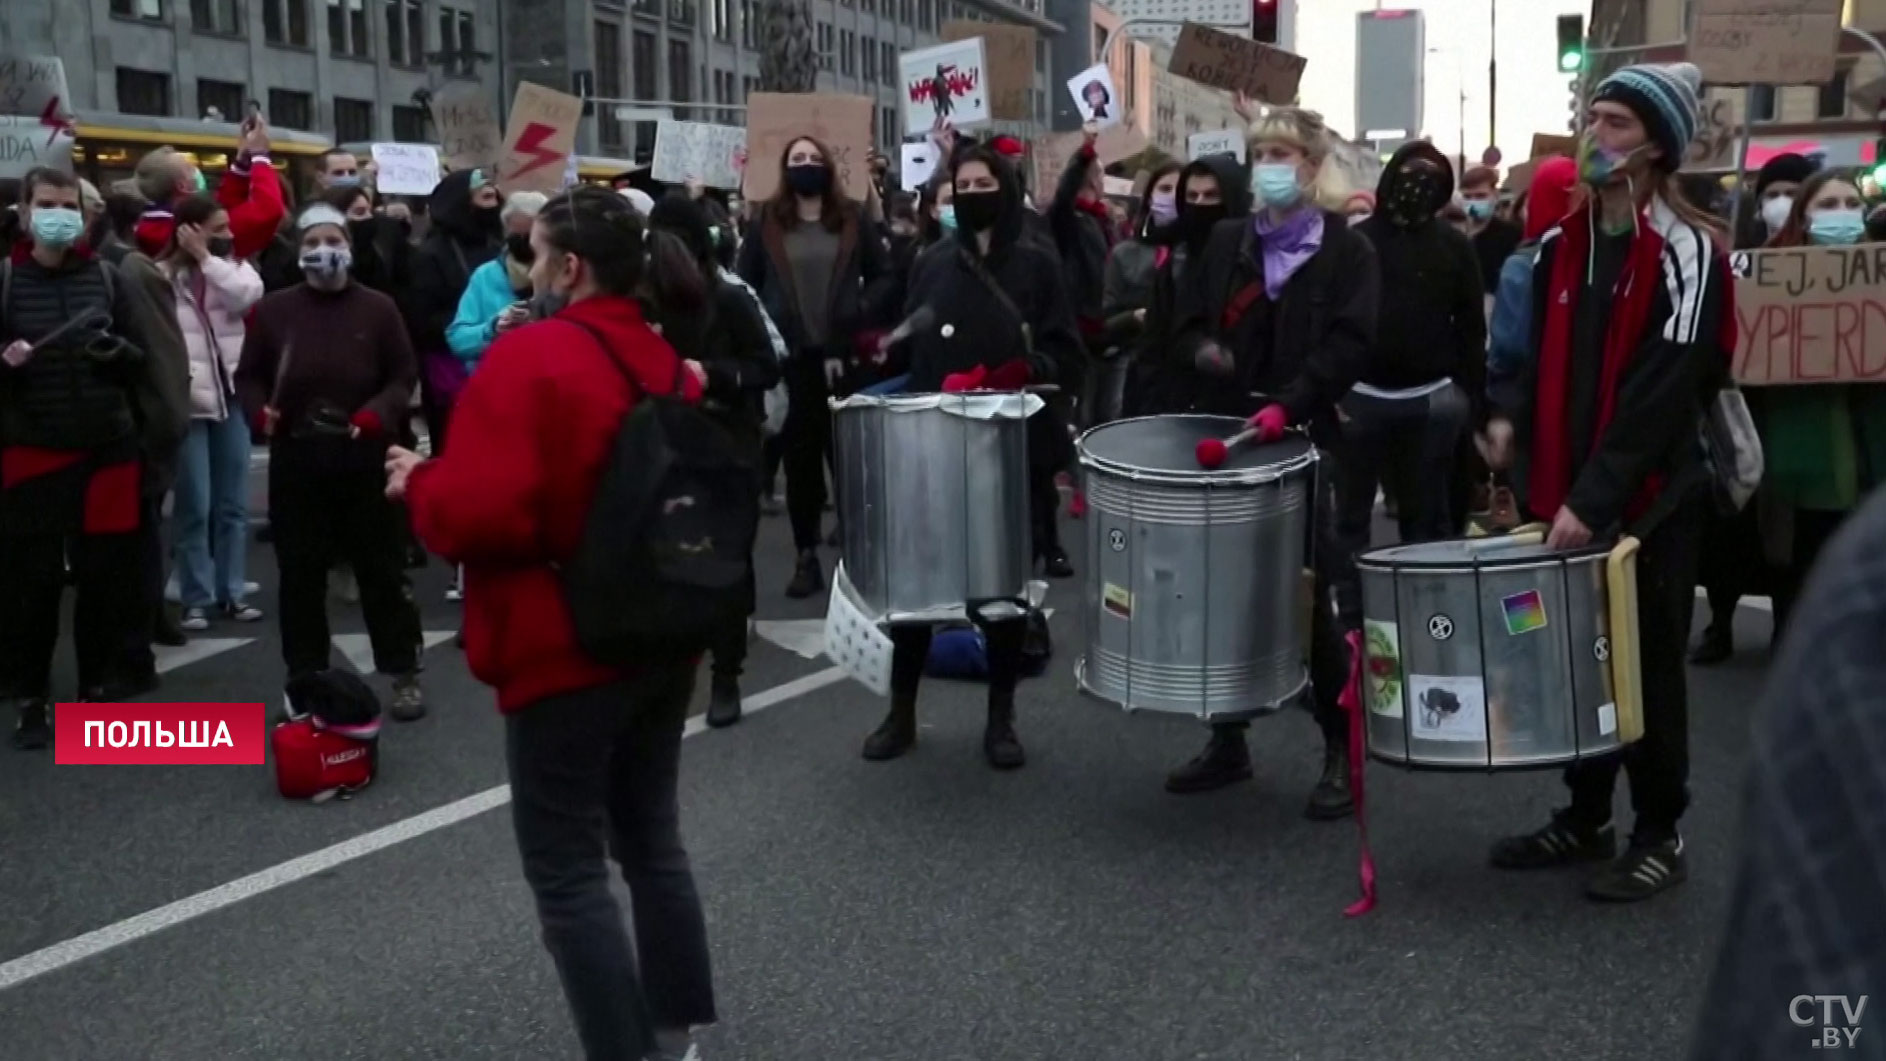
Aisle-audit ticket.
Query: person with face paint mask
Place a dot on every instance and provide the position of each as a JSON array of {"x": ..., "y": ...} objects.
[
  {"x": 327, "y": 376},
  {"x": 210, "y": 517},
  {"x": 465, "y": 234},
  {"x": 1127, "y": 289},
  {"x": 824, "y": 278},
  {"x": 383, "y": 251},
  {"x": 1278, "y": 320},
  {"x": 1634, "y": 324},
  {"x": 593, "y": 752}
]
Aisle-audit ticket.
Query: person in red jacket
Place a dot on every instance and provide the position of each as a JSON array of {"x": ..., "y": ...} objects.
[
  {"x": 250, "y": 191},
  {"x": 586, "y": 744}
]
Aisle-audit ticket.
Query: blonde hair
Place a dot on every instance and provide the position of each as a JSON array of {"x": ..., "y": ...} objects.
[
  {"x": 1304, "y": 130},
  {"x": 158, "y": 172}
]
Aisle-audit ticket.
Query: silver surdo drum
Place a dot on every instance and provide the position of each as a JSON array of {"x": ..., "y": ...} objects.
[
  {"x": 1495, "y": 653},
  {"x": 933, "y": 501},
  {"x": 1193, "y": 576}
]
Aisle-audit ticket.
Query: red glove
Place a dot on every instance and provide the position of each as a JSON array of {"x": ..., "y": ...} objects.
[
  {"x": 1270, "y": 422},
  {"x": 965, "y": 381},
  {"x": 367, "y": 422},
  {"x": 1010, "y": 377}
]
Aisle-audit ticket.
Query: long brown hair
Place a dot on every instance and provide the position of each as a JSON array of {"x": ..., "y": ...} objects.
[
  {"x": 1793, "y": 233},
  {"x": 1671, "y": 190},
  {"x": 834, "y": 209}
]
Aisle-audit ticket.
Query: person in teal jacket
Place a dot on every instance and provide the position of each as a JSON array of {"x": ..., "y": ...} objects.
[{"x": 489, "y": 306}]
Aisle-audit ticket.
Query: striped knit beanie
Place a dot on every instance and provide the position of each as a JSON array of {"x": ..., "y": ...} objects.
[{"x": 1665, "y": 98}]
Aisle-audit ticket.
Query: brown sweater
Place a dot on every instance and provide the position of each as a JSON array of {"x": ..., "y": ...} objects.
[{"x": 346, "y": 349}]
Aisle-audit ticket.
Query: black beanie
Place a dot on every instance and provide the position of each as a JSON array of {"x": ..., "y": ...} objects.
[{"x": 1790, "y": 167}]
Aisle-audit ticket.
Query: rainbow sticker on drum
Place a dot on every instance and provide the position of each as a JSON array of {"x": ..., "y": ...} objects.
[{"x": 1525, "y": 612}]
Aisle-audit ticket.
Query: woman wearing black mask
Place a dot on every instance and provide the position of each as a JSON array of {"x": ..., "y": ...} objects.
[
  {"x": 1127, "y": 286},
  {"x": 1210, "y": 190},
  {"x": 822, "y": 275},
  {"x": 382, "y": 254},
  {"x": 999, "y": 319}
]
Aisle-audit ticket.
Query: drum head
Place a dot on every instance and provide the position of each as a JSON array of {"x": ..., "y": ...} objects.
[
  {"x": 1470, "y": 552},
  {"x": 1169, "y": 444}
]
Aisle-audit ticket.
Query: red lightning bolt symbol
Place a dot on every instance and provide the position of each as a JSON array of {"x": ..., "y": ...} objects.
[
  {"x": 530, "y": 142},
  {"x": 50, "y": 117}
]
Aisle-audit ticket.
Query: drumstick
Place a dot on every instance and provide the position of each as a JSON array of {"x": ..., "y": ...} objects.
[
  {"x": 1501, "y": 541},
  {"x": 1211, "y": 452}
]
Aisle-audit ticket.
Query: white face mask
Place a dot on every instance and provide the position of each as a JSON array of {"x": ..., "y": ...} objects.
[{"x": 1775, "y": 211}]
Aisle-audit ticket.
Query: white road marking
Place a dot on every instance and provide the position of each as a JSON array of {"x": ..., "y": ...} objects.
[
  {"x": 196, "y": 651},
  {"x": 51, "y": 959},
  {"x": 802, "y": 637},
  {"x": 358, "y": 648}
]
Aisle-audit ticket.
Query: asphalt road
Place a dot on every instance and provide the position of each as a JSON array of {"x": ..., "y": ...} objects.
[{"x": 924, "y": 910}]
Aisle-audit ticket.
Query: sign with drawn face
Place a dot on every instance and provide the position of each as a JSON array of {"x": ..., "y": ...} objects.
[
  {"x": 946, "y": 81},
  {"x": 1095, "y": 98}
]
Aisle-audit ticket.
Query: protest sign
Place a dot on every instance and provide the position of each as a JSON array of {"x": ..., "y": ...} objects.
[
  {"x": 1217, "y": 142},
  {"x": 467, "y": 123},
  {"x": 1718, "y": 136},
  {"x": 1811, "y": 315},
  {"x": 916, "y": 165},
  {"x": 1545, "y": 145},
  {"x": 541, "y": 139},
  {"x": 775, "y": 119},
  {"x": 1052, "y": 154},
  {"x": 1009, "y": 54},
  {"x": 1766, "y": 42},
  {"x": 28, "y": 142},
  {"x": 944, "y": 81},
  {"x": 1221, "y": 60},
  {"x": 405, "y": 169},
  {"x": 1117, "y": 187},
  {"x": 1095, "y": 97},
  {"x": 35, "y": 86},
  {"x": 702, "y": 151}
]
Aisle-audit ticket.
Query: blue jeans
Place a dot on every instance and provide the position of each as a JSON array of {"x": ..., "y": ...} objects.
[{"x": 211, "y": 513}]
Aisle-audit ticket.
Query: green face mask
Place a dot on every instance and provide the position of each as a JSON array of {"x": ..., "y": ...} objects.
[{"x": 197, "y": 176}]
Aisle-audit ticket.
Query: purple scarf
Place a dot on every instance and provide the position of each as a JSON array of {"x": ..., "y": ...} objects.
[{"x": 1287, "y": 245}]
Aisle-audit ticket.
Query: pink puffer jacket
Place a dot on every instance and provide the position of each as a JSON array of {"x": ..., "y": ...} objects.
[{"x": 211, "y": 303}]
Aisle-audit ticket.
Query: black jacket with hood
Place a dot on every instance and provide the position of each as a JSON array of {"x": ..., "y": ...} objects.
[
  {"x": 1432, "y": 321},
  {"x": 975, "y": 302},
  {"x": 460, "y": 240},
  {"x": 1081, "y": 238}
]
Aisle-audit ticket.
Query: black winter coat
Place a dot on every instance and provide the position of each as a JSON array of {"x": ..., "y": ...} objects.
[
  {"x": 861, "y": 291},
  {"x": 1081, "y": 239},
  {"x": 730, "y": 342},
  {"x": 458, "y": 242}
]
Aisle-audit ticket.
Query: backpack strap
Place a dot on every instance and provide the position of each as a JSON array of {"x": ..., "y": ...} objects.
[{"x": 635, "y": 385}]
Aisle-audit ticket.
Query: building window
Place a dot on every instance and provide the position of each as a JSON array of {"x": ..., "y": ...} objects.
[
  {"x": 847, "y": 53},
  {"x": 642, "y": 66},
  {"x": 290, "y": 110},
  {"x": 926, "y": 15},
  {"x": 406, "y": 33},
  {"x": 903, "y": 12},
  {"x": 144, "y": 92},
  {"x": 1833, "y": 95},
  {"x": 409, "y": 124},
  {"x": 353, "y": 120},
  {"x": 750, "y": 24},
  {"x": 347, "y": 27},
  {"x": 887, "y": 63},
  {"x": 225, "y": 97},
  {"x": 680, "y": 73},
  {"x": 825, "y": 45},
  {"x": 869, "y": 68},
  {"x": 217, "y": 16},
  {"x": 285, "y": 22},
  {"x": 1761, "y": 106},
  {"x": 720, "y": 19},
  {"x": 1041, "y": 57},
  {"x": 608, "y": 82},
  {"x": 458, "y": 39},
  {"x": 681, "y": 12},
  {"x": 869, "y": 7},
  {"x": 150, "y": 9}
]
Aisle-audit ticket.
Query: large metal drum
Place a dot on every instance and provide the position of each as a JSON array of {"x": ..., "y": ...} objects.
[
  {"x": 1193, "y": 602},
  {"x": 933, "y": 501},
  {"x": 1494, "y": 653}
]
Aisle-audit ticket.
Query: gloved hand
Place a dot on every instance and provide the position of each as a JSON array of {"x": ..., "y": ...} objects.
[
  {"x": 1010, "y": 377},
  {"x": 972, "y": 380},
  {"x": 1270, "y": 422},
  {"x": 1213, "y": 360}
]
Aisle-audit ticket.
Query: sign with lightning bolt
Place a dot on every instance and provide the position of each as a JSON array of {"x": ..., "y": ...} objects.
[{"x": 541, "y": 139}]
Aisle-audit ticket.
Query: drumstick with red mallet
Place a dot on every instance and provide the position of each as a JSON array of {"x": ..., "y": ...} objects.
[{"x": 1211, "y": 452}]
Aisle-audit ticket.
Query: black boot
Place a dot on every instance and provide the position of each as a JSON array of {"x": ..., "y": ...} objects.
[
  {"x": 1055, "y": 562},
  {"x": 999, "y": 742},
  {"x": 723, "y": 703},
  {"x": 1332, "y": 799},
  {"x": 1717, "y": 644},
  {"x": 807, "y": 578},
  {"x": 1226, "y": 760},
  {"x": 33, "y": 729},
  {"x": 895, "y": 735}
]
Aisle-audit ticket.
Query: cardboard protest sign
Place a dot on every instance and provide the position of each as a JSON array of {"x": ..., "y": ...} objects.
[
  {"x": 1718, "y": 136},
  {"x": 1519, "y": 178},
  {"x": 542, "y": 138},
  {"x": 711, "y": 154},
  {"x": 1811, "y": 315},
  {"x": 29, "y": 142},
  {"x": 1766, "y": 42},
  {"x": 1117, "y": 187},
  {"x": 1009, "y": 52},
  {"x": 467, "y": 123},
  {"x": 34, "y": 86},
  {"x": 1216, "y": 142},
  {"x": 1095, "y": 98},
  {"x": 1221, "y": 60},
  {"x": 776, "y": 119},
  {"x": 405, "y": 169},
  {"x": 944, "y": 81},
  {"x": 1545, "y": 145},
  {"x": 1359, "y": 164},
  {"x": 916, "y": 165},
  {"x": 1052, "y": 153}
]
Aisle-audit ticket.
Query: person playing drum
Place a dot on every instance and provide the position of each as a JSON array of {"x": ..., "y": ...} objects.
[
  {"x": 1632, "y": 320},
  {"x": 1278, "y": 316},
  {"x": 996, "y": 318}
]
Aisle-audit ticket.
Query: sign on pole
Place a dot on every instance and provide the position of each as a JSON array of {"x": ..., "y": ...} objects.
[
  {"x": 1766, "y": 42},
  {"x": 1264, "y": 73},
  {"x": 1811, "y": 315},
  {"x": 944, "y": 81}
]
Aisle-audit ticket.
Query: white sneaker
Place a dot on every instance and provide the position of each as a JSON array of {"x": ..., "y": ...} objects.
[
  {"x": 195, "y": 620},
  {"x": 250, "y": 589},
  {"x": 456, "y": 591},
  {"x": 346, "y": 587}
]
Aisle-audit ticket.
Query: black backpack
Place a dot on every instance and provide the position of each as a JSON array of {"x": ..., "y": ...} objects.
[{"x": 666, "y": 546}]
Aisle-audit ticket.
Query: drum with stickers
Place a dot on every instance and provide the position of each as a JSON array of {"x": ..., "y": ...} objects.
[
  {"x": 1194, "y": 578},
  {"x": 1499, "y": 653}
]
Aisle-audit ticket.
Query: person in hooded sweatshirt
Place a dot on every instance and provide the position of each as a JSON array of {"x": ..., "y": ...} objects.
[
  {"x": 466, "y": 232},
  {"x": 999, "y": 320},
  {"x": 1279, "y": 316},
  {"x": 1426, "y": 380},
  {"x": 1128, "y": 289}
]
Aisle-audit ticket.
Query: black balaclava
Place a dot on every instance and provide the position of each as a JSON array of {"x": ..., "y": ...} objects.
[{"x": 1417, "y": 184}]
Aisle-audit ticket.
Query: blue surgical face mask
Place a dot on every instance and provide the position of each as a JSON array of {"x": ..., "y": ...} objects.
[
  {"x": 58, "y": 226},
  {"x": 1275, "y": 184},
  {"x": 1836, "y": 226},
  {"x": 946, "y": 216},
  {"x": 346, "y": 180},
  {"x": 1480, "y": 209}
]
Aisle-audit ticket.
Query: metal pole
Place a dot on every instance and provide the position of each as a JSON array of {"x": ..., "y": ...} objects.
[
  {"x": 1493, "y": 73},
  {"x": 1741, "y": 158}
]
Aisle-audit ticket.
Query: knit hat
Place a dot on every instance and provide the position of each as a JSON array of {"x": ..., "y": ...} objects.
[
  {"x": 1792, "y": 168},
  {"x": 1665, "y": 98}
]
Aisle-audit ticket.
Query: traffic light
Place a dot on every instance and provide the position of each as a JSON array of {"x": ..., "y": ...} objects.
[
  {"x": 1264, "y": 21},
  {"x": 1879, "y": 162},
  {"x": 1571, "y": 43}
]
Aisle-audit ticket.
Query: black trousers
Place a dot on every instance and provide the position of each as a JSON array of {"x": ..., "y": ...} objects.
[
  {"x": 910, "y": 650},
  {"x": 147, "y": 602},
  {"x": 1412, "y": 441},
  {"x": 806, "y": 446},
  {"x": 108, "y": 573},
  {"x": 1732, "y": 563},
  {"x": 1813, "y": 529},
  {"x": 327, "y": 501},
  {"x": 1659, "y": 764},
  {"x": 1050, "y": 452},
  {"x": 595, "y": 771}
]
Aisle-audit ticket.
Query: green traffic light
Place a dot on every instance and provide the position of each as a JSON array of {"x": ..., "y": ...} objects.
[
  {"x": 1571, "y": 60},
  {"x": 1879, "y": 174}
]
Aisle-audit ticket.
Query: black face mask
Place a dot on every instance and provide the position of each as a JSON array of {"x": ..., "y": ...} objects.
[
  {"x": 1413, "y": 197},
  {"x": 977, "y": 211},
  {"x": 809, "y": 180},
  {"x": 1196, "y": 220},
  {"x": 221, "y": 246},
  {"x": 520, "y": 249},
  {"x": 489, "y": 218}
]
